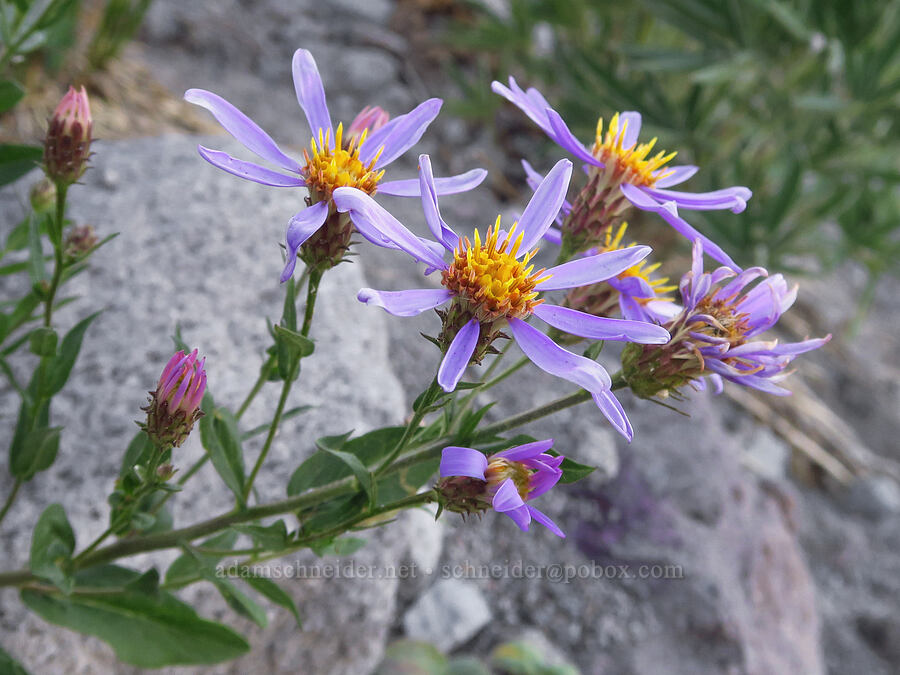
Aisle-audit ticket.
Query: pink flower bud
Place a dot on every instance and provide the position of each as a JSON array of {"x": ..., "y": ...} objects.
[
  {"x": 68, "y": 142},
  {"x": 370, "y": 118},
  {"x": 175, "y": 404}
]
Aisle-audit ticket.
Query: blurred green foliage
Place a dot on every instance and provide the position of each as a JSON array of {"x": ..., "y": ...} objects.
[{"x": 797, "y": 99}]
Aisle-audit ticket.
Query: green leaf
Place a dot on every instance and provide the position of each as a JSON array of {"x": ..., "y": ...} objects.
[
  {"x": 237, "y": 600},
  {"x": 332, "y": 443},
  {"x": 9, "y": 666},
  {"x": 363, "y": 475},
  {"x": 42, "y": 341},
  {"x": 136, "y": 453},
  {"x": 35, "y": 452},
  {"x": 273, "y": 537},
  {"x": 148, "y": 630},
  {"x": 10, "y": 93},
  {"x": 220, "y": 436},
  {"x": 61, "y": 366},
  {"x": 573, "y": 471},
  {"x": 52, "y": 545},
  {"x": 322, "y": 468},
  {"x": 17, "y": 160},
  {"x": 298, "y": 344},
  {"x": 263, "y": 428},
  {"x": 341, "y": 546},
  {"x": 269, "y": 589},
  {"x": 186, "y": 568}
]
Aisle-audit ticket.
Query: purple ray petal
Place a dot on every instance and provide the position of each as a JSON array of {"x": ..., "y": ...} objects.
[
  {"x": 718, "y": 384},
  {"x": 535, "y": 107},
  {"x": 377, "y": 224},
  {"x": 590, "y": 270},
  {"x": 734, "y": 198},
  {"x": 550, "y": 357},
  {"x": 544, "y": 520},
  {"x": 542, "y": 481},
  {"x": 637, "y": 287},
  {"x": 507, "y": 497},
  {"x": 245, "y": 130},
  {"x": 631, "y": 122},
  {"x": 527, "y": 451},
  {"x": 544, "y": 205},
  {"x": 533, "y": 178},
  {"x": 248, "y": 170},
  {"x": 456, "y": 461},
  {"x": 436, "y": 224},
  {"x": 600, "y": 328},
  {"x": 405, "y": 303},
  {"x": 674, "y": 175},
  {"x": 669, "y": 213},
  {"x": 311, "y": 93},
  {"x": 400, "y": 134},
  {"x": 734, "y": 287},
  {"x": 300, "y": 228},
  {"x": 613, "y": 411},
  {"x": 566, "y": 139},
  {"x": 446, "y": 185},
  {"x": 458, "y": 355}
]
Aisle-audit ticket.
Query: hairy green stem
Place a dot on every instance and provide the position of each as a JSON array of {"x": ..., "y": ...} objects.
[
  {"x": 7, "y": 505},
  {"x": 312, "y": 292},
  {"x": 56, "y": 240},
  {"x": 424, "y": 402}
]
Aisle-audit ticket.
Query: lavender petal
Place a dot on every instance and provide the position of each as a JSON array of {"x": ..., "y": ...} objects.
[
  {"x": 400, "y": 134},
  {"x": 458, "y": 355},
  {"x": 590, "y": 270},
  {"x": 405, "y": 303},
  {"x": 446, "y": 185},
  {"x": 456, "y": 461},
  {"x": 669, "y": 213},
  {"x": 734, "y": 198},
  {"x": 566, "y": 139},
  {"x": 300, "y": 228},
  {"x": 601, "y": 328},
  {"x": 311, "y": 93},
  {"x": 544, "y": 205},
  {"x": 550, "y": 357},
  {"x": 245, "y": 130},
  {"x": 544, "y": 520},
  {"x": 248, "y": 170},
  {"x": 614, "y": 412},
  {"x": 527, "y": 451},
  {"x": 376, "y": 225},
  {"x": 674, "y": 175}
]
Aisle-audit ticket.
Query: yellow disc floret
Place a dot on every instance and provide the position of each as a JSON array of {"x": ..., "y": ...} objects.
[
  {"x": 489, "y": 278},
  {"x": 633, "y": 163},
  {"x": 640, "y": 270},
  {"x": 327, "y": 169},
  {"x": 500, "y": 469}
]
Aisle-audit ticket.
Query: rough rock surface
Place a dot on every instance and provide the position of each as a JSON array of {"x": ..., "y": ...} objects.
[{"x": 200, "y": 247}]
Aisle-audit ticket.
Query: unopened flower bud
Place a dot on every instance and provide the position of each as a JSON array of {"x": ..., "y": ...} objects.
[
  {"x": 43, "y": 195},
  {"x": 175, "y": 404},
  {"x": 68, "y": 142},
  {"x": 79, "y": 240},
  {"x": 370, "y": 118}
]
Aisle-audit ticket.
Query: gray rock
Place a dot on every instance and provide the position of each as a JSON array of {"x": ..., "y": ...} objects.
[
  {"x": 767, "y": 455},
  {"x": 448, "y": 614},
  {"x": 874, "y": 496},
  {"x": 201, "y": 247}
]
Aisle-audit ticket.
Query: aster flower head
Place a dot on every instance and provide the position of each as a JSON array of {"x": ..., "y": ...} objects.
[
  {"x": 354, "y": 158},
  {"x": 506, "y": 482},
  {"x": 491, "y": 286},
  {"x": 623, "y": 172},
  {"x": 67, "y": 145},
  {"x": 717, "y": 334},
  {"x": 175, "y": 404}
]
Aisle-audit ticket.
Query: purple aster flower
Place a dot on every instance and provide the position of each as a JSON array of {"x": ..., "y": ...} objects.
[
  {"x": 491, "y": 286},
  {"x": 473, "y": 483},
  {"x": 623, "y": 172},
  {"x": 717, "y": 334},
  {"x": 355, "y": 160},
  {"x": 175, "y": 404}
]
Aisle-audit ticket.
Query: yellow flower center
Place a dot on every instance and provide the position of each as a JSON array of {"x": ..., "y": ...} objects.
[
  {"x": 640, "y": 270},
  {"x": 633, "y": 164},
  {"x": 500, "y": 469},
  {"x": 327, "y": 169},
  {"x": 488, "y": 276}
]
